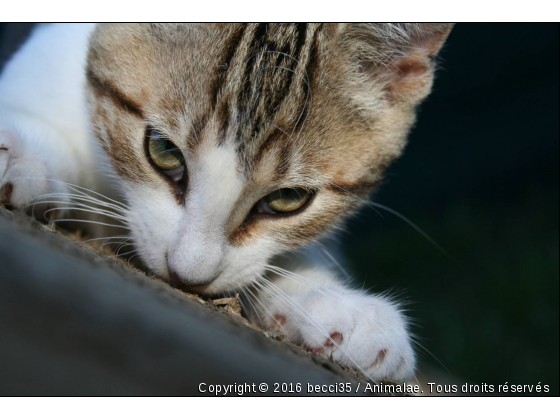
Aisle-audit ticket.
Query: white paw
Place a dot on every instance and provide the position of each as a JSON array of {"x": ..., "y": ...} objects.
[
  {"x": 358, "y": 330},
  {"x": 25, "y": 175}
]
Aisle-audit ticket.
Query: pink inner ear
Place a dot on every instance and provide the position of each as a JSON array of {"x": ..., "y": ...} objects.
[
  {"x": 412, "y": 66},
  {"x": 413, "y": 73},
  {"x": 410, "y": 74}
]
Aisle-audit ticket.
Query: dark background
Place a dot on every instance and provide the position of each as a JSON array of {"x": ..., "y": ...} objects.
[{"x": 480, "y": 176}]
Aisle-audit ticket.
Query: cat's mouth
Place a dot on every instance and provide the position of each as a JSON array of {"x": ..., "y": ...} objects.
[
  {"x": 196, "y": 289},
  {"x": 200, "y": 289}
]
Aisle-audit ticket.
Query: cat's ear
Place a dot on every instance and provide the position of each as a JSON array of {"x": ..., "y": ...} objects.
[{"x": 399, "y": 57}]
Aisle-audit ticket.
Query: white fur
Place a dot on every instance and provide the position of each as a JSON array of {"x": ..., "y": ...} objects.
[
  {"x": 43, "y": 117},
  {"x": 314, "y": 306},
  {"x": 191, "y": 239},
  {"x": 199, "y": 246},
  {"x": 45, "y": 134}
]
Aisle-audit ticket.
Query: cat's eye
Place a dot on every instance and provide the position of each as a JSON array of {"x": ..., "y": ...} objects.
[
  {"x": 165, "y": 155},
  {"x": 285, "y": 200}
]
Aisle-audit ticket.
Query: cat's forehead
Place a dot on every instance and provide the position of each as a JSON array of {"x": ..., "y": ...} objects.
[
  {"x": 250, "y": 84},
  {"x": 277, "y": 93},
  {"x": 258, "y": 87},
  {"x": 320, "y": 107}
]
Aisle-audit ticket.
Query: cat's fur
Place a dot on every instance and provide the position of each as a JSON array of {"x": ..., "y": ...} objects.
[{"x": 253, "y": 108}]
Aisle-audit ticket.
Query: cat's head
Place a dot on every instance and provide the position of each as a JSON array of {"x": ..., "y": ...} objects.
[{"x": 239, "y": 142}]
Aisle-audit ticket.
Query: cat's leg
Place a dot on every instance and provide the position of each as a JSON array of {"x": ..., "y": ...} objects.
[
  {"x": 55, "y": 177},
  {"x": 313, "y": 308},
  {"x": 33, "y": 161},
  {"x": 44, "y": 136}
]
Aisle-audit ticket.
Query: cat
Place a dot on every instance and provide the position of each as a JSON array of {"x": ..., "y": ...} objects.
[{"x": 234, "y": 146}]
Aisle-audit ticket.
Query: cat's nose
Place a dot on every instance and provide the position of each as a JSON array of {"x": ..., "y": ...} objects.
[
  {"x": 199, "y": 270},
  {"x": 196, "y": 254},
  {"x": 189, "y": 282}
]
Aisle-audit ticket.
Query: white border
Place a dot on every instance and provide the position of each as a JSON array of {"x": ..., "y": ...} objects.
[
  {"x": 287, "y": 408},
  {"x": 282, "y": 10}
]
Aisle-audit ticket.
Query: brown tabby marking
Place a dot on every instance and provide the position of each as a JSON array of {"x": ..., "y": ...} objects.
[
  {"x": 107, "y": 89},
  {"x": 325, "y": 107}
]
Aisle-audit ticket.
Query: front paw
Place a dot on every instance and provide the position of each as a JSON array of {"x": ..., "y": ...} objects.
[
  {"x": 25, "y": 175},
  {"x": 363, "y": 331}
]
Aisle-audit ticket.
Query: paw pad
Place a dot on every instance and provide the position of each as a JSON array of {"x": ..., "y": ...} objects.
[
  {"x": 336, "y": 337},
  {"x": 280, "y": 320},
  {"x": 380, "y": 357}
]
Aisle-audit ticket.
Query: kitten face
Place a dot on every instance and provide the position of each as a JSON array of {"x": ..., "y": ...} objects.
[{"x": 239, "y": 112}]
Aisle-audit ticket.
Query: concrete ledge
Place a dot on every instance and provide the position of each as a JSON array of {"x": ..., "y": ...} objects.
[{"x": 73, "y": 322}]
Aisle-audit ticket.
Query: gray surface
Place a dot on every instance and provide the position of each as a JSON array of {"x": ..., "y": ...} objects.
[{"x": 75, "y": 323}]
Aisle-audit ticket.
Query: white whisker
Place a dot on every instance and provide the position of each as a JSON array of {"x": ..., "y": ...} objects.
[
  {"x": 87, "y": 210},
  {"x": 81, "y": 198},
  {"x": 105, "y": 237},
  {"x": 89, "y": 221},
  {"x": 253, "y": 306},
  {"x": 77, "y": 189}
]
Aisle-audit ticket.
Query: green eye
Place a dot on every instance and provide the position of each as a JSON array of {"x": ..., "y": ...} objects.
[
  {"x": 284, "y": 200},
  {"x": 165, "y": 155}
]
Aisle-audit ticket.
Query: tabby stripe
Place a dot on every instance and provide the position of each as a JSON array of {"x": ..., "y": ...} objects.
[
  {"x": 310, "y": 69},
  {"x": 195, "y": 136},
  {"x": 109, "y": 90},
  {"x": 280, "y": 95},
  {"x": 266, "y": 145},
  {"x": 258, "y": 38},
  {"x": 283, "y": 162},
  {"x": 313, "y": 60},
  {"x": 222, "y": 115},
  {"x": 228, "y": 53},
  {"x": 268, "y": 103},
  {"x": 358, "y": 188}
]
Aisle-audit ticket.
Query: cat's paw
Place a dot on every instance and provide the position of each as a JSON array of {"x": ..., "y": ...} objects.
[
  {"x": 358, "y": 330},
  {"x": 25, "y": 176}
]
